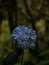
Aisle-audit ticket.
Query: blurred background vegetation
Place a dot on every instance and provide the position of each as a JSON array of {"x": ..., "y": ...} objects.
[{"x": 31, "y": 13}]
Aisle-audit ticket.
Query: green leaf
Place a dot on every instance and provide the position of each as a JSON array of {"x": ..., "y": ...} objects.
[
  {"x": 45, "y": 52},
  {"x": 18, "y": 64},
  {"x": 44, "y": 63}
]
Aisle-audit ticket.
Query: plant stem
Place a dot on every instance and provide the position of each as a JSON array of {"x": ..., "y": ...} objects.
[{"x": 22, "y": 58}]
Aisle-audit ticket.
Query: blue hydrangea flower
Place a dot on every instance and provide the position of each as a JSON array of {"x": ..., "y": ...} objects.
[
  {"x": 25, "y": 37},
  {"x": 32, "y": 34}
]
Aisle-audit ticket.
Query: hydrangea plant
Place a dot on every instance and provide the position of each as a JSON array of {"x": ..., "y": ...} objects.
[{"x": 24, "y": 36}]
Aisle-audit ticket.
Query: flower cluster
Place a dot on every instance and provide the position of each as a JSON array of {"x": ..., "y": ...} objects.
[{"x": 25, "y": 37}]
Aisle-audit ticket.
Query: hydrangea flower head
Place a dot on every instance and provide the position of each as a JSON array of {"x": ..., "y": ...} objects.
[{"x": 25, "y": 37}]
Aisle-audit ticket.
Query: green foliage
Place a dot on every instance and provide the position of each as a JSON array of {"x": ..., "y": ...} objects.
[
  {"x": 40, "y": 1},
  {"x": 1, "y": 61},
  {"x": 44, "y": 53},
  {"x": 18, "y": 64},
  {"x": 44, "y": 63},
  {"x": 1, "y": 10},
  {"x": 34, "y": 52}
]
